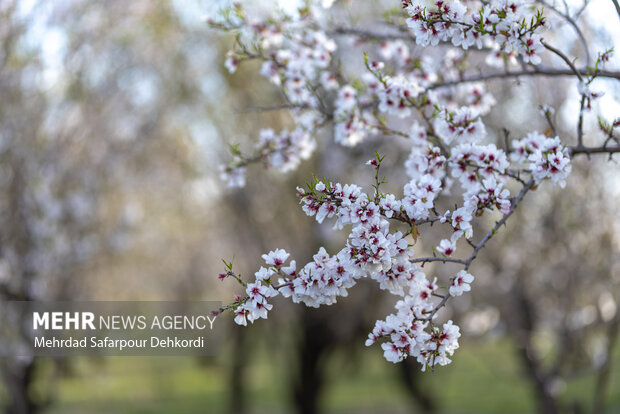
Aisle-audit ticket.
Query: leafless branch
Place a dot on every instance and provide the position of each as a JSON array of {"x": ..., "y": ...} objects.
[
  {"x": 439, "y": 259},
  {"x": 582, "y": 105},
  {"x": 594, "y": 150},
  {"x": 467, "y": 262},
  {"x": 566, "y": 16},
  {"x": 563, "y": 57},
  {"x": 370, "y": 35},
  {"x": 602, "y": 380},
  {"x": 617, "y": 7},
  {"x": 269, "y": 108},
  {"x": 537, "y": 71}
]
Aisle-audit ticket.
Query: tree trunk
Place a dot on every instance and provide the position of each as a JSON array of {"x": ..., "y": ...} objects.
[
  {"x": 547, "y": 403},
  {"x": 18, "y": 378},
  {"x": 237, "y": 400},
  {"x": 315, "y": 339},
  {"x": 410, "y": 371}
]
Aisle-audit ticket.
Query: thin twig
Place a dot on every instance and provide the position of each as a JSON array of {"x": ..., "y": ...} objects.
[
  {"x": 439, "y": 259},
  {"x": 537, "y": 71},
  {"x": 564, "y": 58},
  {"x": 575, "y": 26},
  {"x": 550, "y": 121},
  {"x": 580, "y": 122},
  {"x": 269, "y": 108},
  {"x": 466, "y": 263},
  {"x": 594, "y": 150},
  {"x": 604, "y": 374},
  {"x": 617, "y": 7},
  {"x": 368, "y": 35}
]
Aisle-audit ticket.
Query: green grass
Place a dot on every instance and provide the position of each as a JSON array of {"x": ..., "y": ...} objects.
[{"x": 483, "y": 378}]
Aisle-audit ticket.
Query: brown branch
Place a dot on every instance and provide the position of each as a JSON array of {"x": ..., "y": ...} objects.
[
  {"x": 602, "y": 380},
  {"x": 537, "y": 71},
  {"x": 466, "y": 263},
  {"x": 438, "y": 259},
  {"x": 617, "y": 6},
  {"x": 563, "y": 57},
  {"x": 582, "y": 105},
  {"x": 368, "y": 35},
  {"x": 575, "y": 26},
  {"x": 515, "y": 201},
  {"x": 594, "y": 150},
  {"x": 269, "y": 108}
]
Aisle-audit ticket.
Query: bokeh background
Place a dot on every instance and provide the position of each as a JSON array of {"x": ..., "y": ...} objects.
[{"x": 114, "y": 119}]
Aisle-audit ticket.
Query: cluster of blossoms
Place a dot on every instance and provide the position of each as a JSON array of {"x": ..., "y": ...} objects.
[
  {"x": 398, "y": 92},
  {"x": 475, "y": 97},
  {"x": 294, "y": 55},
  {"x": 508, "y": 26},
  {"x": 481, "y": 171},
  {"x": 462, "y": 125},
  {"x": 351, "y": 125},
  {"x": 372, "y": 250},
  {"x": 407, "y": 334},
  {"x": 545, "y": 157},
  {"x": 445, "y": 131},
  {"x": 297, "y": 56},
  {"x": 285, "y": 150},
  {"x": 427, "y": 161}
]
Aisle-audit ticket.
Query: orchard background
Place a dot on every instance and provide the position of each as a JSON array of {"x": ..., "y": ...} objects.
[{"x": 119, "y": 119}]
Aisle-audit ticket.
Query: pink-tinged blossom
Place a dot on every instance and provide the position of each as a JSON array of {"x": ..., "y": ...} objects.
[
  {"x": 390, "y": 205},
  {"x": 234, "y": 177},
  {"x": 499, "y": 58},
  {"x": 425, "y": 161},
  {"x": 417, "y": 134},
  {"x": 349, "y": 127},
  {"x": 462, "y": 126},
  {"x": 473, "y": 163},
  {"x": 419, "y": 196},
  {"x": 346, "y": 98},
  {"x": 276, "y": 258},
  {"x": 461, "y": 222},
  {"x": 231, "y": 62},
  {"x": 395, "y": 98},
  {"x": 443, "y": 343},
  {"x": 286, "y": 150},
  {"x": 446, "y": 247},
  {"x": 545, "y": 157},
  {"x": 241, "y": 313},
  {"x": 530, "y": 49},
  {"x": 404, "y": 332},
  {"x": 588, "y": 94},
  {"x": 475, "y": 96},
  {"x": 395, "y": 51},
  {"x": 329, "y": 81},
  {"x": 270, "y": 70},
  {"x": 461, "y": 283},
  {"x": 264, "y": 274},
  {"x": 392, "y": 352},
  {"x": 494, "y": 195}
]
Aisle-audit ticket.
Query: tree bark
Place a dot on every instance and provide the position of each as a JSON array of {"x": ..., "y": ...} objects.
[
  {"x": 540, "y": 381},
  {"x": 18, "y": 378},
  {"x": 410, "y": 370},
  {"x": 315, "y": 340}
]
